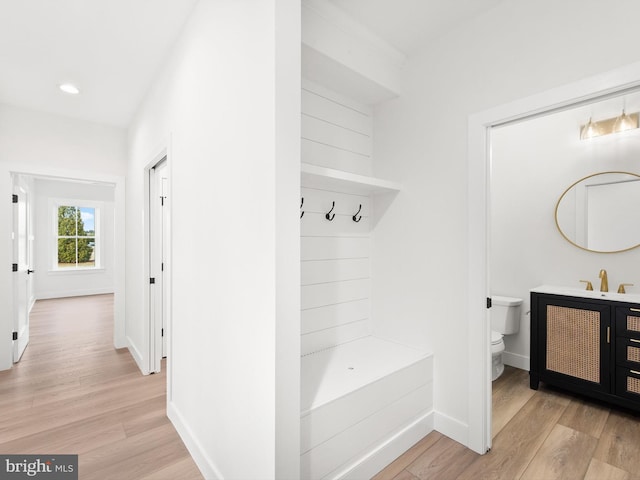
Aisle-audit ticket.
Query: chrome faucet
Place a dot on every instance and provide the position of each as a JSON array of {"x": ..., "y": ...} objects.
[{"x": 604, "y": 284}]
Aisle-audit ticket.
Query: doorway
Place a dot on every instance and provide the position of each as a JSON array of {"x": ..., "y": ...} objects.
[
  {"x": 158, "y": 262},
  {"x": 38, "y": 271},
  {"x": 479, "y": 161},
  {"x": 550, "y": 197}
]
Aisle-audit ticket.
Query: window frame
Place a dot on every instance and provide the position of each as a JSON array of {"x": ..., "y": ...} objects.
[{"x": 55, "y": 204}]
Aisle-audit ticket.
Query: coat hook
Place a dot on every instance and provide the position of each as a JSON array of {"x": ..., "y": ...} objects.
[
  {"x": 301, "y": 203},
  {"x": 328, "y": 216},
  {"x": 356, "y": 215}
]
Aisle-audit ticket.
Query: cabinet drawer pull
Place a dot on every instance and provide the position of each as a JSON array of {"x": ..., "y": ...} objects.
[
  {"x": 633, "y": 371},
  {"x": 635, "y": 309},
  {"x": 608, "y": 334},
  {"x": 633, "y": 340}
]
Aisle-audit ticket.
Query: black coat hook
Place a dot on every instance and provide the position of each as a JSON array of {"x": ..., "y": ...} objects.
[
  {"x": 356, "y": 215},
  {"x": 328, "y": 216},
  {"x": 301, "y": 203}
]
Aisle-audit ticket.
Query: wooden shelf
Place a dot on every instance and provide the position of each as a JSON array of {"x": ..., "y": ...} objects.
[{"x": 313, "y": 176}]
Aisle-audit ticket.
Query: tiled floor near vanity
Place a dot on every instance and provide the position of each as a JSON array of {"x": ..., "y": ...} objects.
[{"x": 544, "y": 434}]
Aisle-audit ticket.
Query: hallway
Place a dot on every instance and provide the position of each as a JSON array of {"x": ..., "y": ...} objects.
[{"x": 72, "y": 393}]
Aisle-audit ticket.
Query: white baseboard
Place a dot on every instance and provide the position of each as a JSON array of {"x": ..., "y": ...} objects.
[
  {"x": 32, "y": 302},
  {"x": 205, "y": 464},
  {"x": 73, "y": 293},
  {"x": 452, "y": 428},
  {"x": 516, "y": 360},
  {"x": 137, "y": 356},
  {"x": 387, "y": 451}
]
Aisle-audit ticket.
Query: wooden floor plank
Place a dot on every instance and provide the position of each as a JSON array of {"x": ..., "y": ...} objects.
[
  {"x": 603, "y": 471},
  {"x": 510, "y": 393},
  {"x": 585, "y": 416},
  {"x": 405, "y": 475},
  {"x": 444, "y": 460},
  {"x": 73, "y": 393},
  {"x": 620, "y": 441},
  {"x": 184, "y": 468},
  {"x": 393, "y": 470},
  {"x": 517, "y": 443},
  {"x": 564, "y": 455}
]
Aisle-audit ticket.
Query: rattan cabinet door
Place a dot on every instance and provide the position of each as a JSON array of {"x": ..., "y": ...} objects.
[{"x": 575, "y": 343}]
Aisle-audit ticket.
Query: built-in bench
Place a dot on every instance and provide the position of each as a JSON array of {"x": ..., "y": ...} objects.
[{"x": 363, "y": 404}]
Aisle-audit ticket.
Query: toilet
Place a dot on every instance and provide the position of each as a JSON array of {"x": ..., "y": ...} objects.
[{"x": 505, "y": 320}]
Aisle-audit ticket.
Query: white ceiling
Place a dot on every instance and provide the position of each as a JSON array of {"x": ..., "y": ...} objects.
[
  {"x": 409, "y": 24},
  {"x": 109, "y": 48}
]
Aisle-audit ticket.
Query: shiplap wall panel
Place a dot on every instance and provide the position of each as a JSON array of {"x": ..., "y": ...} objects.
[
  {"x": 319, "y": 248},
  {"x": 326, "y": 271},
  {"x": 321, "y": 131},
  {"x": 319, "y": 106},
  {"x": 316, "y": 341},
  {"x": 331, "y": 157},
  {"x": 320, "y": 201},
  {"x": 336, "y": 97},
  {"x": 336, "y": 131},
  {"x": 335, "y": 265},
  {"x": 322, "y": 318},
  {"x": 316, "y": 225},
  {"x": 313, "y": 296}
]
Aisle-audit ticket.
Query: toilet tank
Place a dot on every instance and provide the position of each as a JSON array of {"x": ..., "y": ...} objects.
[{"x": 505, "y": 314}]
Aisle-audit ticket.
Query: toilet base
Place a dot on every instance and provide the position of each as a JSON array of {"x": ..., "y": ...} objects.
[{"x": 497, "y": 367}]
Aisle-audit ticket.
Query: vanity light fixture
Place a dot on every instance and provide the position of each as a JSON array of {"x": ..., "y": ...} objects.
[
  {"x": 623, "y": 122},
  {"x": 69, "y": 88}
]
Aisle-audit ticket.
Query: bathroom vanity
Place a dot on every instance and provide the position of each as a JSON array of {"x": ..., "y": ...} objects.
[{"x": 587, "y": 342}]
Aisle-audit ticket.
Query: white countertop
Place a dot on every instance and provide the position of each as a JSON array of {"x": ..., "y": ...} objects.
[{"x": 582, "y": 293}]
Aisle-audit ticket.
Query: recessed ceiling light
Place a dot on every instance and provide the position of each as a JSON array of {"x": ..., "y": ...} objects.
[{"x": 69, "y": 88}]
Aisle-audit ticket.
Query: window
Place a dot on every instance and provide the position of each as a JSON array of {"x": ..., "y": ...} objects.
[{"x": 77, "y": 237}]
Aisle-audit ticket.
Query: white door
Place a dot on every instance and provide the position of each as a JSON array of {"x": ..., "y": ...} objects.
[
  {"x": 158, "y": 234},
  {"x": 21, "y": 269}
]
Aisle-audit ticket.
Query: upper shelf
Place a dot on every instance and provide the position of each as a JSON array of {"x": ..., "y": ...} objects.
[{"x": 313, "y": 176}]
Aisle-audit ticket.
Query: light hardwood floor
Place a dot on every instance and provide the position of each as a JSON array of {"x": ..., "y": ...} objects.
[
  {"x": 72, "y": 393},
  {"x": 541, "y": 435}
]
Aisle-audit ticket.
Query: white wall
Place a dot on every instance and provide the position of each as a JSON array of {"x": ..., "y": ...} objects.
[
  {"x": 517, "y": 49},
  {"x": 532, "y": 163},
  {"x": 49, "y": 283},
  {"x": 226, "y": 101},
  {"x": 45, "y": 144}
]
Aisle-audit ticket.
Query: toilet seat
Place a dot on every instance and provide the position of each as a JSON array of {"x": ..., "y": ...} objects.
[{"x": 496, "y": 338}]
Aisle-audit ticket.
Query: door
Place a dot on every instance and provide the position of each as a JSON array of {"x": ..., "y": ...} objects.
[
  {"x": 21, "y": 268},
  {"x": 158, "y": 236}
]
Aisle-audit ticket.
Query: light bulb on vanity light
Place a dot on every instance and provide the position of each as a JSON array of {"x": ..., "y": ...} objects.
[
  {"x": 590, "y": 130},
  {"x": 69, "y": 88},
  {"x": 625, "y": 122}
]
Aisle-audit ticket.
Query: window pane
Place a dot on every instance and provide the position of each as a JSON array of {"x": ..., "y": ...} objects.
[
  {"x": 66, "y": 252},
  {"x": 87, "y": 222},
  {"x": 67, "y": 220},
  {"x": 86, "y": 252}
]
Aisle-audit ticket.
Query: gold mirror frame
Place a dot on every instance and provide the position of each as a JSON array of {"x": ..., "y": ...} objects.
[{"x": 558, "y": 206}]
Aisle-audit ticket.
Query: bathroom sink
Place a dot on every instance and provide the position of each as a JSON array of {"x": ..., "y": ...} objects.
[{"x": 582, "y": 293}]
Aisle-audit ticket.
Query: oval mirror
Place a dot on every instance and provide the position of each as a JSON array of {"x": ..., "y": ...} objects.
[{"x": 600, "y": 213}]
